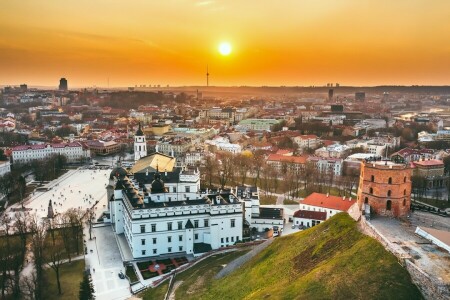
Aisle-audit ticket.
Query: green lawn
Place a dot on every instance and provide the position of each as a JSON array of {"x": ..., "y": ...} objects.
[
  {"x": 131, "y": 274},
  {"x": 155, "y": 293},
  {"x": 289, "y": 202},
  {"x": 71, "y": 275},
  {"x": 330, "y": 261},
  {"x": 195, "y": 279},
  {"x": 442, "y": 204},
  {"x": 267, "y": 200}
]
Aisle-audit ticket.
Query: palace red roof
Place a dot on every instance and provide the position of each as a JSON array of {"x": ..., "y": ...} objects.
[
  {"x": 309, "y": 214},
  {"x": 330, "y": 202},
  {"x": 291, "y": 159}
]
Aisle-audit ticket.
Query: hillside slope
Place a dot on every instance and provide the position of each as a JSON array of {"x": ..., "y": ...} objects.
[{"x": 330, "y": 261}]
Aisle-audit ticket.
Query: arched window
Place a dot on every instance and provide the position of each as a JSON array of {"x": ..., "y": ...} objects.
[
  {"x": 404, "y": 179},
  {"x": 388, "y": 205},
  {"x": 366, "y": 200},
  {"x": 389, "y": 193},
  {"x": 372, "y": 178},
  {"x": 404, "y": 192},
  {"x": 404, "y": 201},
  {"x": 390, "y": 180},
  {"x": 371, "y": 190}
]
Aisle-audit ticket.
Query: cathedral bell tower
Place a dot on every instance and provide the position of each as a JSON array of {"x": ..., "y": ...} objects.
[{"x": 140, "y": 144}]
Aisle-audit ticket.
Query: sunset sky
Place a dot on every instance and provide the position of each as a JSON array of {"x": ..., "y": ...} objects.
[{"x": 298, "y": 42}]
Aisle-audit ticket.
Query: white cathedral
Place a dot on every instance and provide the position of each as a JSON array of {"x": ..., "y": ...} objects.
[{"x": 160, "y": 210}]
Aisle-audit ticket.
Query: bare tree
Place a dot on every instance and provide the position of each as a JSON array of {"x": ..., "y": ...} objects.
[
  {"x": 209, "y": 168},
  {"x": 38, "y": 230},
  {"x": 28, "y": 285},
  {"x": 226, "y": 169},
  {"x": 257, "y": 165},
  {"x": 55, "y": 255},
  {"x": 242, "y": 164}
]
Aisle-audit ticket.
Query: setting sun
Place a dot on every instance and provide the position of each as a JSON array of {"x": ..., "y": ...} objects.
[{"x": 225, "y": 48}]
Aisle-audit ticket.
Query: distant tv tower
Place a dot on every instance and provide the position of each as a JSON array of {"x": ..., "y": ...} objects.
[{"x": 207, "y": 76}]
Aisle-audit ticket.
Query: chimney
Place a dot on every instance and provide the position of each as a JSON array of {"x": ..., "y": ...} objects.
[{"x": 328, "y": 195}]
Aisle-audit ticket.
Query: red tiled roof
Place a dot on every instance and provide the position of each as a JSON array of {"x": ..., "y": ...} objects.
[
  {"x": 429, "y": 163},
  {"x": 307, "y": 137},
  {"x": 328, "y": 142},
  {"x": 309, "y": 214},
  {"x": 292, "y": 159},
  {"x": 284, "y": 151},
  {"x": 43, "y": 146},
  {"x": 330, "y": 202}
]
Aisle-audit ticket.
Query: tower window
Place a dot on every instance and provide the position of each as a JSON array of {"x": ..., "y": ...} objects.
[
  {"x": 388, "y": 205},
  {"x": 372, "y": 178},
  {"x": 404, "y": 201},
  {"x": 389, "y": 193},
  {"x": 366, "y": 200},
  {"x": 404, "y": 192},
  {"x": 404, "y": 179},
  {"x": 390, "y": 180},
  {"x": 371, "y": 190}
]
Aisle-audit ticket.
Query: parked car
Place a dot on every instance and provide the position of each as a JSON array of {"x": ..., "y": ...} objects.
[{"x": 121, "y": 275}]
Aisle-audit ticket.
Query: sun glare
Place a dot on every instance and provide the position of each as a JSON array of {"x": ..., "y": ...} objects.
[{"x": 225, "y": 48}]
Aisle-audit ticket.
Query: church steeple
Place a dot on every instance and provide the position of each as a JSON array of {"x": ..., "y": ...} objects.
[
  {"x": 140, "y": 144},
  {"x": 139, "y": 132}
]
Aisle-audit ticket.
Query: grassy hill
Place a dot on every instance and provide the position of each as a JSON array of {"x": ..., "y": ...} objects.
[{"x": 330, "y": 261}]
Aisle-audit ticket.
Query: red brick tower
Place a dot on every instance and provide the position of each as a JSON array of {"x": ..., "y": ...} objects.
[{"x": 386, "y": 187}]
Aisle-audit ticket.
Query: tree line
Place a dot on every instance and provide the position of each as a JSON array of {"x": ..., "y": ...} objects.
[
  {"x": 227, "y": 169},
  {"x": 45, "y": 243}
]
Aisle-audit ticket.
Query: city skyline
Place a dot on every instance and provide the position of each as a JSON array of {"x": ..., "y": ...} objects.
[{"x": 297, "y": 43}]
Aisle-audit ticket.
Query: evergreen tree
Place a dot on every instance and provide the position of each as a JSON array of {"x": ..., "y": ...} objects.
[{"x": 86, "y": 288}]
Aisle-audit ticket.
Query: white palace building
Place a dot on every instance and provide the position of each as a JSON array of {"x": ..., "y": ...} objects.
[{"x": 160, "y": 210}]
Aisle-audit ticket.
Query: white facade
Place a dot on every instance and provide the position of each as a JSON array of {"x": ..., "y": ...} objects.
[
  {"x": 194, "y": 158},
  {"x": 260, "y": 218},
  {"x": 5, "y": 167},
  {"x": 307, "y": 141},
  {"x": 74, "y": 152},
  {"x": 327, "y": 165},
  {"x": 335, "y": 150},
  {"x": 223, "y": 144},
  {"x": 175, "y": 221},
  {"x": 330, "y": 211},
  {"x": 307, "y": 222}
]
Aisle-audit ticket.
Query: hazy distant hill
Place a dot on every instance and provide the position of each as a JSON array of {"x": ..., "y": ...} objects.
[{"x": 330, "y": 261}]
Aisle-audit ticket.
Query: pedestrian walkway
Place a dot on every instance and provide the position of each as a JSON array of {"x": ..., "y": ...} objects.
[{"x": 238, "y": 262}]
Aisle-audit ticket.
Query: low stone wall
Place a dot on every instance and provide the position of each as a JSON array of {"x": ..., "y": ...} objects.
[
  {"x": 371, "y": 231},
  {"x": 431, "y": 288}
]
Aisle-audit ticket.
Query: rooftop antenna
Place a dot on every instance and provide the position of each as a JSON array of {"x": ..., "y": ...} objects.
[{"x": 207, "y": 76}]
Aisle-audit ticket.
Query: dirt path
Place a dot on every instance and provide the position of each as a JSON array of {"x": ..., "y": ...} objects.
[{"x": 174, "y": 288}]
